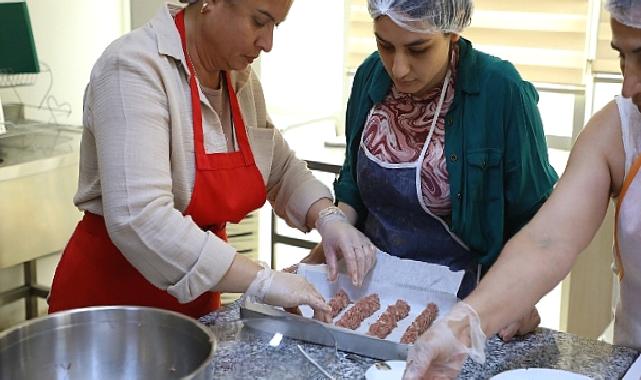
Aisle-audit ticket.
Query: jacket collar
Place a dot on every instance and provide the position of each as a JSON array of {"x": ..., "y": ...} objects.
[
  {"x": 469, "y": 70},
  {"x": 167, "y": 37},
  {"x": 468, "y": 78}
]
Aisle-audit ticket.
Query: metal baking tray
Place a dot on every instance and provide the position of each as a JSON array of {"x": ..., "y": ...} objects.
[{"x": 346, "y": 340}]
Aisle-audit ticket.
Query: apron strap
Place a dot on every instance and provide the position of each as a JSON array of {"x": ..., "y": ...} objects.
[
  {"x": 241, "y": 132},
  {"x": 237, "y": 117},
  {"x": 634, "y": 169},
  {"x": 196, "y": 110}
]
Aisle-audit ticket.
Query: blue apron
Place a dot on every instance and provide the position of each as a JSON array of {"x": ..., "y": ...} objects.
[{"x": 398, "y": 221}]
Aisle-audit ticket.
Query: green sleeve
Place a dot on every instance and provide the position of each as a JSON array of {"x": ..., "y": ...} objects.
[{"x": 529, "y": 177}]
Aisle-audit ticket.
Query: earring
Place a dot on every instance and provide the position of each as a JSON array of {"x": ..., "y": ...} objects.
[{"x": 205, "y": 8}]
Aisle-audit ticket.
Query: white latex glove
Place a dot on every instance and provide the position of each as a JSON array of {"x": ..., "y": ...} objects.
[
  {"x": 441, "y": 351},
  {"x": 342, "y": 239},
  {"x": 286, "y": 290}
]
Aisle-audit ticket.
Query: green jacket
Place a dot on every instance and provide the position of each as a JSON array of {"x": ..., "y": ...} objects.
[{"x": 496, "y": 153}]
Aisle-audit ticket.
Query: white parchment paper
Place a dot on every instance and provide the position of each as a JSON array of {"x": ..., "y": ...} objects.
[{"x": 392, "y": 278}]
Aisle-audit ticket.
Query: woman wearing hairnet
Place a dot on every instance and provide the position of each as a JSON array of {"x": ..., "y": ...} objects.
[
  {"x": 446, "y": 157},
  {"x": 604, "y": 163},
  {"x": 176, "y": 144}
]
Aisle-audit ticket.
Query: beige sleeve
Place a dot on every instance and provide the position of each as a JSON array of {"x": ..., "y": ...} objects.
[
  {"x": 291, "y": 187},
  {"x": 128, "y": 115}
]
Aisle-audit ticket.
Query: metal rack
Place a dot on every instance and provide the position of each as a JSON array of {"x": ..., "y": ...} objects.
[
  {"x": 30, "y": 291},
  {"x": 8, "y": 80},
  {"x": 48, "y": 102},
  {"x": 12, "y": 80}
]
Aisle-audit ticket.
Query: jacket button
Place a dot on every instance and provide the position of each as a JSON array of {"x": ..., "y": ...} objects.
[
  {"x": 453, "y": 157},
  {"x": 459, "y": 196},
  {"x": 448, "y": 121}
]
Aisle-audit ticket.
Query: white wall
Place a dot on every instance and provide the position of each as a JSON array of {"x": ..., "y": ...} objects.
[
  {"x": 70, "y": 35},
  {"x": 143, "y": 10},
  {"x": 303, "y": 78},
  {"x": 303, "y": 75}
]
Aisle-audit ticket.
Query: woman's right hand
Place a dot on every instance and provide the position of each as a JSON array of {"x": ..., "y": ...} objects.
[
  {"x": 286, "y": 290},
  {"x": 441, "y": 351}
]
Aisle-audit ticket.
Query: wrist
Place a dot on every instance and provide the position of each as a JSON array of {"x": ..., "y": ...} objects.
[
  {"x": 314, "y": 209},
  {"x": 484, "y": 315},
  {"x": 465, "y": 324},
  {"x": 258, "y": 288},
  {"x": 328, "y": 214},
  {"x": 350, "y": 212},
  {"x": 461, "y": 331}
]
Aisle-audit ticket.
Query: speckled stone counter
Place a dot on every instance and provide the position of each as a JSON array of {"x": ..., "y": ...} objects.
[
  {"x": 543, "y": 349},
  {"x": 553, "y": 349}
]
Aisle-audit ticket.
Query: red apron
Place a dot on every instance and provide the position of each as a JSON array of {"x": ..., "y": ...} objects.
[{"x": 227, "y": 186}]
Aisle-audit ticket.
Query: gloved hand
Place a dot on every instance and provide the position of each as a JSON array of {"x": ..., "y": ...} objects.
[
  {"x": 286, "y": 290},
  {"x": 528, "y": 323},
  {"x": 316, "y": 255},
  {"x": 340, "y": 238},
  {"x": 441, "y": 351}
]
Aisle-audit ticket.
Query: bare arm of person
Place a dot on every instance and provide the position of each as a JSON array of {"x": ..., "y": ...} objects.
[
  {"x": 535, "y": 259},
  {"x": 240, "y": 274},
  {"x": 543, "y": 252}
]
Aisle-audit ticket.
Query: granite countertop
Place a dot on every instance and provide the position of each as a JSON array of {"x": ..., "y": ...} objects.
[{"x": 543, "y": 349}]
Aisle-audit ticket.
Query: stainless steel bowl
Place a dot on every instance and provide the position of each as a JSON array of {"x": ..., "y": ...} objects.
[{"x": 108, "y": 343}]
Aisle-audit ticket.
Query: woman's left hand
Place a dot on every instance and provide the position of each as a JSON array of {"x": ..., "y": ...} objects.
[
  {"x": 441, "y": 351},
  {"x": 528, "y": 323},
  {"x": 341, "y": 239}
]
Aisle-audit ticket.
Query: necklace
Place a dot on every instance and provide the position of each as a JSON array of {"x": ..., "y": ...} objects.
[
  {"x": 195, "y": 73},
  {"x": 221, "y": 81}
]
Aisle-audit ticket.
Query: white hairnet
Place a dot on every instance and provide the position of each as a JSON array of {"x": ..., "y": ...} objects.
[
  {"x": 425, "y": 16},
  {"x": 627, "y": 12}
]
